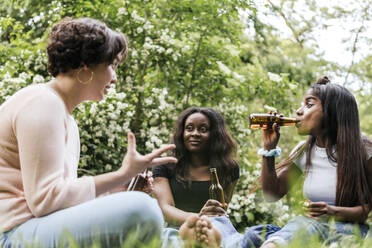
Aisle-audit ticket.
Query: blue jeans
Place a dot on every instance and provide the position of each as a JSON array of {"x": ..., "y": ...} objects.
[
  {"x": 111, "y": 221},
  {"x": 255, "y": 236},
  {"x": 307, "y": 228},
  {"x": 230, "y": 237}
]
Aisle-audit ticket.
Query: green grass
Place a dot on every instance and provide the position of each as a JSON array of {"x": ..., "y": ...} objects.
[{"x": 301, "y": 239}]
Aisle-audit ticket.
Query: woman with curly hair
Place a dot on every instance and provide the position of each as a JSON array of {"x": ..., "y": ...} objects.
[
  {"x": 335, "y": 160},
  {"x": 41, "y": 198}
]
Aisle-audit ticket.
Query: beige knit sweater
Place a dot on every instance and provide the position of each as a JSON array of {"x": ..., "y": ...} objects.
[{"x": 39, "y": 155}]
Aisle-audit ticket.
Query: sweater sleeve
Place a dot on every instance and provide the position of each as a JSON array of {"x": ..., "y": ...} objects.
[{"x": 40, "y": 128}]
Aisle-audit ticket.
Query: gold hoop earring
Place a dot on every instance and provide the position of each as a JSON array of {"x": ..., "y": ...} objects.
[{"x": 81, "y": 81}]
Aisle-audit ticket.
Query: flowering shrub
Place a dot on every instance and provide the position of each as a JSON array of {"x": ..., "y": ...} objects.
[{"x": 191, "y": 53}]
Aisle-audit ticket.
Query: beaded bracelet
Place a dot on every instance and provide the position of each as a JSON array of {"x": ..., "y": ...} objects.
[{"x": 272, "y": 153}]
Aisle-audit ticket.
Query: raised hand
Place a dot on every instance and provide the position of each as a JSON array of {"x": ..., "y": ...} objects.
[
  {"x": 134, "y": 162},
  {"x": 271, "y": 136}
]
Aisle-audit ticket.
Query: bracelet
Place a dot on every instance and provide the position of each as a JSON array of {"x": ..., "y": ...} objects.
[{"x": 272, "y": 153}]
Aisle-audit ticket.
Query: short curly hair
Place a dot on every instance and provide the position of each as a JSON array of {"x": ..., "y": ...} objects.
[{"x": 84, "y": 41}]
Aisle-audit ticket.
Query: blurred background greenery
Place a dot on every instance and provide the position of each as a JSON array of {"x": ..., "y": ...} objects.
[{"x": 215, "y": 53}]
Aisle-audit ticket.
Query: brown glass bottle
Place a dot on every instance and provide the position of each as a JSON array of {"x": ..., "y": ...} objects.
[
  {"x": 138, "y": 182},
  {"x": 266, "y": 121},
  {"x": 216, "y": 190}
]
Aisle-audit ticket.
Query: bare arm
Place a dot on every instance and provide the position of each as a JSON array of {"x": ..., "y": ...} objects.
[
  {"x": 275, "y": 185},
  {"x": 165, "y": 199},
  {"x": 348, "y": 214}
]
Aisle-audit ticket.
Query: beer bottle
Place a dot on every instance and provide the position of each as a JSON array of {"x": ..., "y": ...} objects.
[
  {"x": 138, "y": 182},
  {"x": 266, "y": 121},
  {"x": 216, "y": 190}
]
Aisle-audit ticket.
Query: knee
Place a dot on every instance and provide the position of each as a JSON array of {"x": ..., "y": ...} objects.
[{"x": 138, "y": 205}]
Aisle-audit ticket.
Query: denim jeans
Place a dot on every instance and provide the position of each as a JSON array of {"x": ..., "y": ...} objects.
[
  {"x": 307, "y": 228},
  {"x": 230, "y": 237},
  {"x": 109, "y": 220},
  {"x": 256, "y": 235}
]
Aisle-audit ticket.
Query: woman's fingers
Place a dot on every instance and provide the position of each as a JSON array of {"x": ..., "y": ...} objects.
[
  {"x": 131, "y": 142},
  {"x": 212, "y": 202},
  {"x": 316, "y": 214},
  {"x": 163, "y": 160},
  {"x": 212, "y": 210},
  {"x": 160, "y": 151},
  {"x": 317, "y": 209},
  {"x": 317, "y": 204}
]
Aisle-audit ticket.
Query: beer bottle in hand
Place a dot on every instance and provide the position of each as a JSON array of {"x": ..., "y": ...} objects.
[
  {"x": 138, "y": 182},
  {"x": 216, "y": 190},
  {"x": 266, "y": 121}
]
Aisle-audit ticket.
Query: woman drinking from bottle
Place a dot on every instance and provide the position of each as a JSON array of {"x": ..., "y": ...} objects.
[{"x": 335, "y": 160}]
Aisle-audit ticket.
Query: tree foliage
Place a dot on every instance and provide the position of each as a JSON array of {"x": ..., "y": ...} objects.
[{"x": 214, "y": 53}]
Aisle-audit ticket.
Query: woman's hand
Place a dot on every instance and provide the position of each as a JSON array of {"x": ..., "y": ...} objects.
[
  {"x": 271, "y": 136},
  {"x": 134, "y": 162},
  {"x": 317, "y": 210},
  {"x": 212, "y": 208}
]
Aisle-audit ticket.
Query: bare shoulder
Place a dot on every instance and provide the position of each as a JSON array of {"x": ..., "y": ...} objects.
[{"x": 368, "y": 146}]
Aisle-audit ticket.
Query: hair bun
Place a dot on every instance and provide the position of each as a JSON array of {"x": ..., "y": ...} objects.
[{"x": 323, "y": 80}]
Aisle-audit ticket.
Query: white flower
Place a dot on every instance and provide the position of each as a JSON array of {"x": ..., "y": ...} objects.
[
  {"x": 223, "y": 68},
  {"x": 333, "y": 245},
  {"x": 136, "y": 17},
  {"x": 148, "y": 26},
  {"x": 237, "y": 217},
  {"x": 292, "y": 86},
  {"x": 120, "y": 96},
  {"x": 139, "y": 30},
  {"x": 99, "y": 133},
  {"x": 238, "y": 77},
  {"x": 38, "y": 79},
  {"x": 174, "y": 56},
  {"x": 185, "y": 48},
  {"x": 93, "y": 108},
  {"x": 270, "y": 108},
  {"x": 148, "y": 101},
  {"x": 160, "y": 49},
  {"x": 122, "y": 11},
  {"x": 274, "y": 77},
  {"x": 134, "y": 53},
  {"x": 147, "y": 46},
  {"x": 149, "y": 145},
  {"x": 84, "y": 148},
  {"x": 24, "y": 75}
]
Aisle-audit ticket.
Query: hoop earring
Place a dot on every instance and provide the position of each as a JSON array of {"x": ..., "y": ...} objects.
[{"x": 81, "y": 81}]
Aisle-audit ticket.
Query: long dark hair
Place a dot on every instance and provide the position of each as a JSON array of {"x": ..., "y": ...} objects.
[
  {"x": 221, "y": 149},
  {"x": 344, "y": 143}
]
